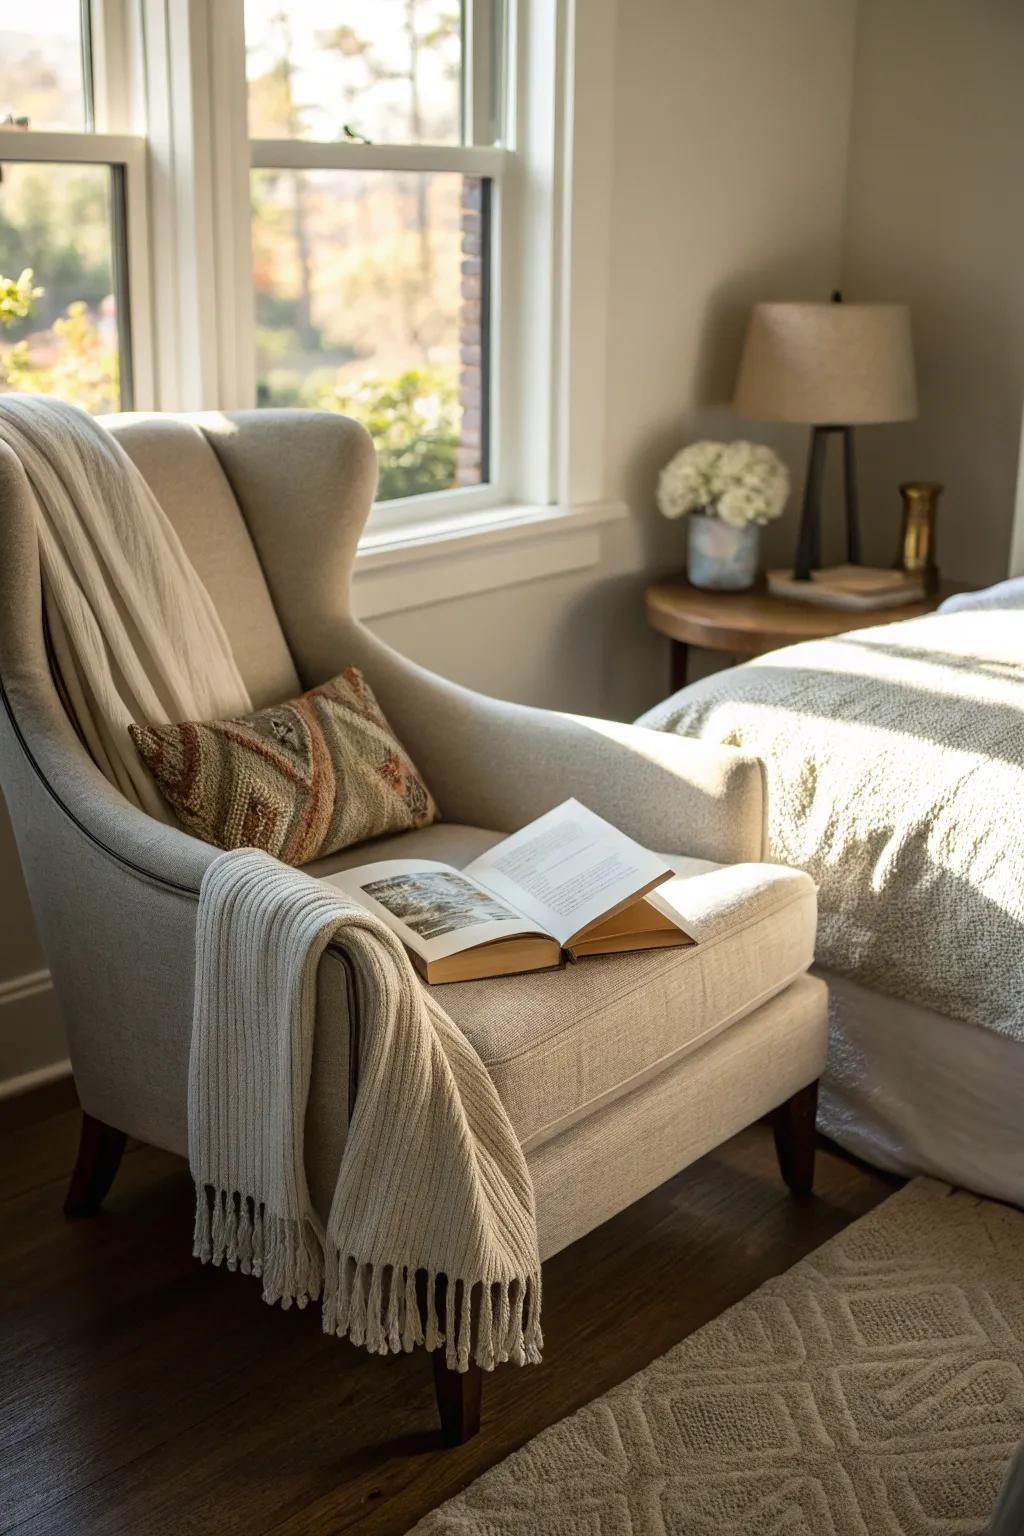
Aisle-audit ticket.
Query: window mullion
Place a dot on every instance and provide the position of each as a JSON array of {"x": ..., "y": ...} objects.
[
  {"x": 484, "y": 24},
  {"x": 318, "y": 154},
  {"x": 232, "y": 235},
  {"x": 531, "y": 248},
  {"x": 195, "y": 89},
  {"x": 177, "y": 95},
  {"x": 140, "y": 293},
  {"x": 74, "y": 148},
  {"x": 118, "y": 103},
  {"x": 585, "y": 257}
]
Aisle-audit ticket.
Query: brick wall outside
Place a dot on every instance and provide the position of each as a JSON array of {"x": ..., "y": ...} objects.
[{"x": 470, "y": 454}]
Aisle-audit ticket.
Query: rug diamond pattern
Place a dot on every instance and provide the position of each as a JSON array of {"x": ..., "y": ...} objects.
[{"x": 876, "y": 1389}]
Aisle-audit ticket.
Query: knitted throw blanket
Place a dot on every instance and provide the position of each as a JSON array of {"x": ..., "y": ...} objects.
[
  {"x": 432, "y": 1178},
  {"x": 135, "y": 634}
]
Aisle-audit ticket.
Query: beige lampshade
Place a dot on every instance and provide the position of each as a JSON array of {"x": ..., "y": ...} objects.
[{"x": 827, "y": 364}]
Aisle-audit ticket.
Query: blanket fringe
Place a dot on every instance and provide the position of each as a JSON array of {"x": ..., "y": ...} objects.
[
  {"x": 377, "y": 1306},
  {"x": 234, "y": 1230},
  {"x": 380, "y": 1309}
]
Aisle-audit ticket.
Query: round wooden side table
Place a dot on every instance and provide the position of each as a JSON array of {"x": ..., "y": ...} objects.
[{"x": 746, "y": 624}]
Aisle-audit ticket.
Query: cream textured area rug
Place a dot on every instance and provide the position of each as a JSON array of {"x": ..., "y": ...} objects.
[{"x": 875, "y": 1389}]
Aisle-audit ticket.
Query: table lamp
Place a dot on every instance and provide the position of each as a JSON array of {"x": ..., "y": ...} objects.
[{"x": 832, "y": 366}]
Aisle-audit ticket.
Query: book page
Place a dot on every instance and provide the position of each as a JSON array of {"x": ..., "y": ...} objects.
[
  {"x": 567, "y": 869},
  {"x": 434, "y": 909},
  {"x": 677, "y": 899}
]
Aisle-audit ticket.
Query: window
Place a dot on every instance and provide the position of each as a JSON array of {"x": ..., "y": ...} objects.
[
  {"x": 64, "y": 301},
  {"x": 354, "y": 205},
  {"x": 58, "y": 235},
  {"x": 45, "y": 72},
  {"x": 384, "y": 71},
  {"x": 364, "y": 305},
  {"x": 371, "y": 227}
]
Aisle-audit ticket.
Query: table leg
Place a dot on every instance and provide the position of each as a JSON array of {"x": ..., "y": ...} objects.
[{"x": 677, "y": 664}]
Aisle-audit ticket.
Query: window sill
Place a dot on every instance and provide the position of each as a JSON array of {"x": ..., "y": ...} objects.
[{"x": 427, "y": 563}]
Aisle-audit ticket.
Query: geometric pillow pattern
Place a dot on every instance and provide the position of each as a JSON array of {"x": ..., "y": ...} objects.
[
  {"x": 299, "y": 780},
  {"x": 875, "y": 1389}
]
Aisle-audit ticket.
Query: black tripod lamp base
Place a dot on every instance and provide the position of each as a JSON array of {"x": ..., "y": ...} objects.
[{"x": 808, "y": 549}]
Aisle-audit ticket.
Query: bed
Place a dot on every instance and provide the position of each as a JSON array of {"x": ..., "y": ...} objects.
[{"x": 894, "y": 760}]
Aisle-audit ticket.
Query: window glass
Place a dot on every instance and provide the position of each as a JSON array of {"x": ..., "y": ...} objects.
[
  {"x": 386, "y": 71},
  {"x": 59, "y": 306},
  {"x": 371, "y": 301},
  {"x": 42, "y": 65}
]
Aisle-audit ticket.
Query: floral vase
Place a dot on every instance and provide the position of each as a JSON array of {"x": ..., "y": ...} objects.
[{"x": 722, "y": 558}]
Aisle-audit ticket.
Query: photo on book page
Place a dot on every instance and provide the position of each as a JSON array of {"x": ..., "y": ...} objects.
[
  {"x": 433, "y": 904},
  {"x": 436, "y": 910}
]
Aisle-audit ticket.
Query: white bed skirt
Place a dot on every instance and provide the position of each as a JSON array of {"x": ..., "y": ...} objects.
[{"x": 916, "y": 1092}]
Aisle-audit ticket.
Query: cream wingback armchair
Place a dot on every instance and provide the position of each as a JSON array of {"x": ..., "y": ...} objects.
[{"x": 616, "y": 1073}]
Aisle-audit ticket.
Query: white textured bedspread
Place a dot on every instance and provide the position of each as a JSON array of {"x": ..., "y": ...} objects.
[{"x": 895, "y": 764}]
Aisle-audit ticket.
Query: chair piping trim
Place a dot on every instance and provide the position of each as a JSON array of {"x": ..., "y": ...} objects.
[{"x": 97, "y": 842}]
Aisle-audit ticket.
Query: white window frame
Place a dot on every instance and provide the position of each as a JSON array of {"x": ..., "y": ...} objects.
[
  {"x": 490, "y": 163},
  {"x": 200, "y": 158},
  {"x": 193, "y": 58},
  {"x": 123, "y": 152},
  {"x": 170, "y": 102},
  {"x": 486, "y": 28}
]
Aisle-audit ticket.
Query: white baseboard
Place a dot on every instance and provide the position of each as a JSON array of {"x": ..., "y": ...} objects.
[
  {"x": 19, "y": 987},
  {"x": 12, "y": 1086},
  {"x": 33, "y": 1047}
]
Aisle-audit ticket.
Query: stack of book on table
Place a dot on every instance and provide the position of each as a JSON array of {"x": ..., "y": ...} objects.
[{"x": 861, "y": 587}]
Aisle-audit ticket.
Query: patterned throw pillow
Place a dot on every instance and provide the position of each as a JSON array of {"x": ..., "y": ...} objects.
[{"x": 300, "y": 779}]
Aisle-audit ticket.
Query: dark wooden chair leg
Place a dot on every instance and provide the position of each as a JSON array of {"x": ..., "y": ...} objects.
[
  {"x": 458, "y": 1393},
  {"x": 793, "y": 1123},
  {"x": 99, "y": 1157},
  {"x": 458, "y": 1400}
]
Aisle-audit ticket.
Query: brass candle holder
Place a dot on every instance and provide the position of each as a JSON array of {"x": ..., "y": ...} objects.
[{"x": 916, "y": 553}]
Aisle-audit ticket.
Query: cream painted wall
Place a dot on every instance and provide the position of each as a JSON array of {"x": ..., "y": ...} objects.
[
  {"x": 732, "y": 123},
  {"x": 730, "y": 146},
  {"x": 935, "y": 216}
]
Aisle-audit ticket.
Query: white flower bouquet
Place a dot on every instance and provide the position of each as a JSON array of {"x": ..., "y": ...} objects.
[{"x": 741, "y": 483}]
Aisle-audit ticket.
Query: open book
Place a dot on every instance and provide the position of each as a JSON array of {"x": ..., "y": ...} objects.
[{"x": 568, "y": 884}]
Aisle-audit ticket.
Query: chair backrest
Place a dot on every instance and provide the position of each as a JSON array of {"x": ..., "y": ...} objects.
[
  {"x": 185, "y": 475},
  {"x": 269, "y": 506},
  {"x": 305, "y": 483}
]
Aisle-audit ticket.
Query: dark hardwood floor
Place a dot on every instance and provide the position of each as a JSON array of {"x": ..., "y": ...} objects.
[{"x": 142, "y": 1393}]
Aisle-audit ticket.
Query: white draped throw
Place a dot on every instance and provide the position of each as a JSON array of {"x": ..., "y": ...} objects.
[
  {"x": 134, "y": 633},
  {"x": 433, "y": 1183},
  {"x": 432, "y": 1178}
]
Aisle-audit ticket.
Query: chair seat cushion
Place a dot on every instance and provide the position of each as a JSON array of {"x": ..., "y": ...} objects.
[{"x": 562, "y": 1045}]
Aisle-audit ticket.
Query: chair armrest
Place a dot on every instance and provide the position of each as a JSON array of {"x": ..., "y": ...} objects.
[
  {"x": 115, "y": 895},
  {"x": 509, "y": 764},
  {"x": 499, "y": 765},
  {"x": 40, "y": 741}
]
